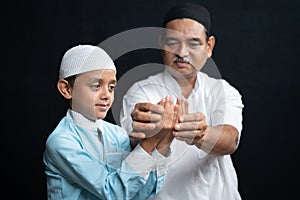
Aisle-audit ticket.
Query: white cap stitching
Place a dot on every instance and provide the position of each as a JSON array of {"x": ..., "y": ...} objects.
[{"x": 84, "y": 58}]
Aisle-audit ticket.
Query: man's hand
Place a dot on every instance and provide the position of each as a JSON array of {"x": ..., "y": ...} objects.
[
  {"x": 150, "y": 119},
  {"x": 144, "y": 119},
  {"x": 219, "y": 140},
  {"x": 180, "y": 108},
  {"x": 154, "y": 130},
  {"x": 190, "y": 127}
]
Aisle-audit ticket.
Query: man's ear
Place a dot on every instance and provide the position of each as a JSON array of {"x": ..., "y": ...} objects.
[
  {"x": 161, "y": 43},
  {"x": 64, "y": 88},
  {"x": 210, "y": 45},
  {"x": 160, "y": 40}
]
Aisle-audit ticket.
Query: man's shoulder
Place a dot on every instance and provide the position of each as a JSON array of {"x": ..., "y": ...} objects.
[
  {"x": 213, "y": 80},
  {"x": 154, "y": 77},
  {"x": 216, "y": 84},
  {"x": 150, "y": 80}
]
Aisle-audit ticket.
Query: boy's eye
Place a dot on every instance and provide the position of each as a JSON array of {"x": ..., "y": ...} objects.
[
  {"x": 95, "y": 86},
  {"x": 111, "y": 87}
]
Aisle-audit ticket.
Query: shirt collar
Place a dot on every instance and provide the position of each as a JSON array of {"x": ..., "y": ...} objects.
[
  {"x": 82, "y": 121},
  {"x": 171, "y": 83},
  {"x": 174, "y": 86}
]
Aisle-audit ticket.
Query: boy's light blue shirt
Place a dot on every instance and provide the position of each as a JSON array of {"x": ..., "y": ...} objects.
[{"x": 93, "y": 160}]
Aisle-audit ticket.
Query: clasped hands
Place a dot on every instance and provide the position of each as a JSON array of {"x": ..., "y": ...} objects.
[{"x": 165, "y": 121}]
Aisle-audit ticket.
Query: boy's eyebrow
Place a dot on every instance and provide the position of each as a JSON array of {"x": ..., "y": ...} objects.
[
  {"x": 100, "y": 80},
  {"x": 113, "y": 81}
]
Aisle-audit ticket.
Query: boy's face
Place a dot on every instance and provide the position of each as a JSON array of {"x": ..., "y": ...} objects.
[{"x": 93, "y": 93}]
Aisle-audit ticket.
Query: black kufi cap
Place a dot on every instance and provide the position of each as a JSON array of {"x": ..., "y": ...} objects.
[{"x": 191, "y": 11}]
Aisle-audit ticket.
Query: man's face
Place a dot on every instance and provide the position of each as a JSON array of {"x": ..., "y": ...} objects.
[
  {"x": 93, "y": 93},
  {"x": 185, "y": 39}
]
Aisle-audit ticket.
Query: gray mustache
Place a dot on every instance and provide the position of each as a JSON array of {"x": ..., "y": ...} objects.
[{"x": 183, "y": 60}]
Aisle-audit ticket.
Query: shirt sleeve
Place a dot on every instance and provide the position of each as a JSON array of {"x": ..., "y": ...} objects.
[
  {"x": 134, "y": 95},
  {"x": 227, "y": 106},
  {"x": 161, "y": 162},
  {"x": 161, "y": 167},
  {"x": 137, "y": 93},
  {"x": 141, "y": 162}
]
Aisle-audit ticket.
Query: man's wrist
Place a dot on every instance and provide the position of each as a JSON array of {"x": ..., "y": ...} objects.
[{"x": 148, "y": 144}]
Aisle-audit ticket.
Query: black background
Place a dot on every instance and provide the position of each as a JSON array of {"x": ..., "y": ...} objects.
[{"x": 256, "y": 51}]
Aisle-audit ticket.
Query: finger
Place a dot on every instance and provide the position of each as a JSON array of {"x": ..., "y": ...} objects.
[
  {"x": 155, "y": 108},
  {"x": 193, "y": 117},
  {"x": 145, "y": 116},
  {"x": 190, "y": 126},
  {"x": 169, "y": 115},
  {"x": 179, "y": 103},
  {"x": 179, "y": 100},
  {"x": 181, "y": 108},
  {"x": 162, "y": 102},
  {"x": 142, "y": 127},
  {"x": 137, "y": 135},
  {"x": 160, "y": 122},
  {"x": 186, "y": 106},
  {"x": 189, "y": 134},
  {"x": 168, "y": 105}
]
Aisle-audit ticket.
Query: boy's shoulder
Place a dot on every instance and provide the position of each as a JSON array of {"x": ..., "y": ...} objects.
[{"x": 113, "y": 127}]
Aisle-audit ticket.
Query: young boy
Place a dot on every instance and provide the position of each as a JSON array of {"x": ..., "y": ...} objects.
[{"x": 88, "y": 158}]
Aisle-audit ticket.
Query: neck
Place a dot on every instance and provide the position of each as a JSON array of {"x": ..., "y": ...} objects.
[{"x": 186, "y": 85}]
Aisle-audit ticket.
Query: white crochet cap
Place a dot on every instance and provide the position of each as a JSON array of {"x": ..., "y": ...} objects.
[{"x": 84, "y": 58}]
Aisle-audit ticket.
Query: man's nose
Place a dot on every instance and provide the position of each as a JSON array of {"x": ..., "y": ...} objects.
[{"x": 182, "y": 50}]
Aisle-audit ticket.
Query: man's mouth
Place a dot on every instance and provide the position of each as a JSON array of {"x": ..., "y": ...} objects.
[{"x": 181, "y": 60}]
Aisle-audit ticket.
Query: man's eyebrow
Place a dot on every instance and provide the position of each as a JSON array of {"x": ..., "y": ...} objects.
[
  {"x": 195, "y": 39},
  {"x": 170, "y": 38}
]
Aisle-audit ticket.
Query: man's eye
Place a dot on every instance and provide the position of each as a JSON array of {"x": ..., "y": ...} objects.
[
  {"x": 171, "y": 43},
  {"x": 194, "y": 44}
]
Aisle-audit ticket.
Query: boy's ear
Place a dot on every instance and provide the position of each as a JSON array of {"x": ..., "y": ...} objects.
[{"x": 64, "y": 88}]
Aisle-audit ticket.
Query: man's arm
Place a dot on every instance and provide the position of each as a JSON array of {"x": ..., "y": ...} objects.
[
  {"x": 191, "y": 128},
  {"x": 219, "y": 140}
]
